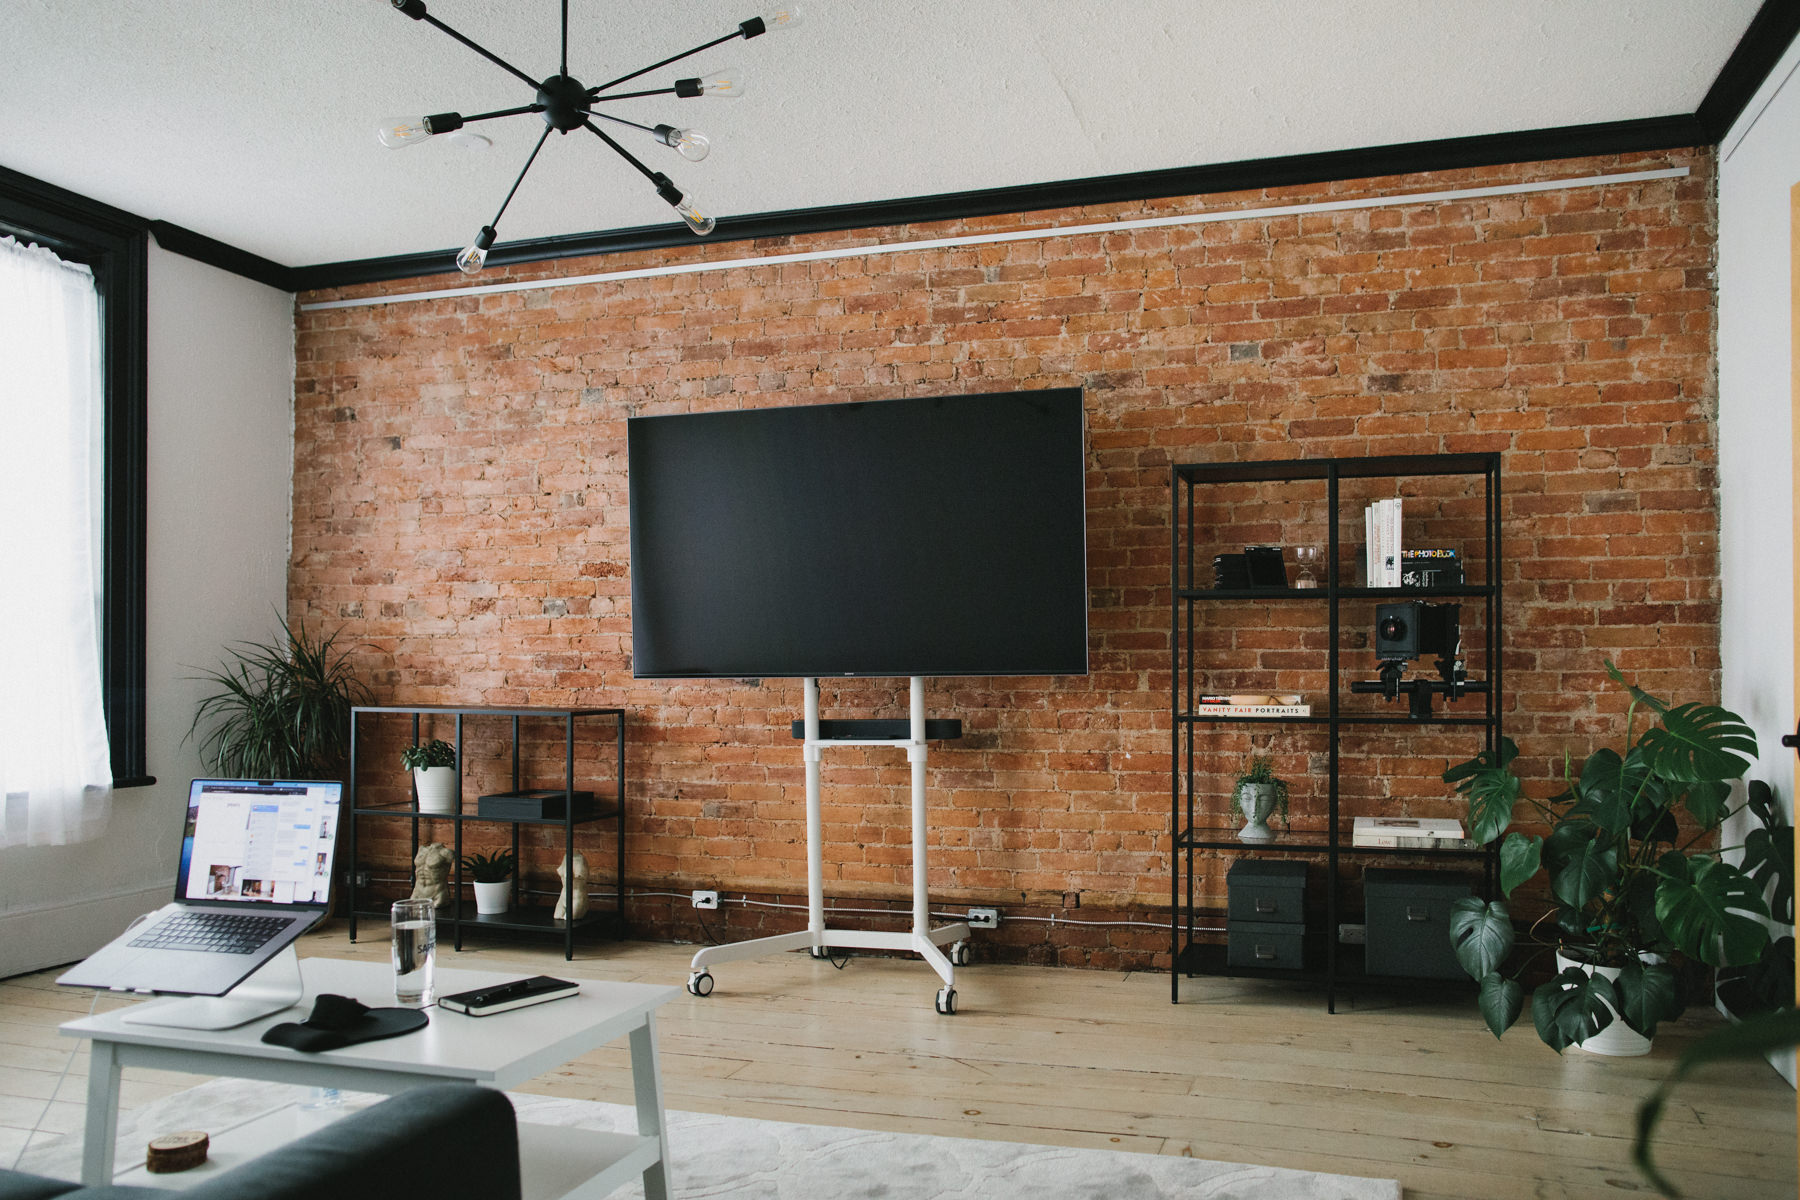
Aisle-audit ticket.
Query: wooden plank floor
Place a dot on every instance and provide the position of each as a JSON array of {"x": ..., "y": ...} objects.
[{"x": 1243, "y": 1071}]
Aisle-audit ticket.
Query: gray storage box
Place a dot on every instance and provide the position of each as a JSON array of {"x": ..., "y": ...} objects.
[
  {"x": 1266, "y": 891},
  {"x": 1407, "y": 914},
  {"x": 1263, "y": 944}
]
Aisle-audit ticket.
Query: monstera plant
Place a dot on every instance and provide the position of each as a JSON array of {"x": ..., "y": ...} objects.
[{"x": 1632, "y": 880}]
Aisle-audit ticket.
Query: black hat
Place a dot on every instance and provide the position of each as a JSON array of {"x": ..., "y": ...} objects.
[{"x": 340, "y": 1021}]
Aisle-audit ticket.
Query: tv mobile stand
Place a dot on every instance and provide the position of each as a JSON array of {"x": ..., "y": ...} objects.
[{"x": 819, "y": 940}]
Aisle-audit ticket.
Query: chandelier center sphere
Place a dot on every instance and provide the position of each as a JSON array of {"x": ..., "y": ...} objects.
[{"x": 563, "y": 98}]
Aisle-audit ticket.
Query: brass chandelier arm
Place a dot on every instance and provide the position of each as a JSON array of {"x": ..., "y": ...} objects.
[{"x": 738, "y": 33}]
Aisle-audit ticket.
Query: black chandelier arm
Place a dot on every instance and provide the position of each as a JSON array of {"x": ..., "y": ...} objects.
[
  {"x": 521, "y": 179},
  {"x": 505, "y": 112},
  {"x": 653, "y": 176},
  {"x": 416, "y": 10},
  {"x": 733, "y": 36},
  {"x": 651, "y": 129},
  {"x": 565, "y": 37},
  {"x": 668, "y": 91}
]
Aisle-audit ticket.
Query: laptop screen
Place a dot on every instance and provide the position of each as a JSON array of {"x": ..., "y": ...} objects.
[{"x": 258, "y": 841}]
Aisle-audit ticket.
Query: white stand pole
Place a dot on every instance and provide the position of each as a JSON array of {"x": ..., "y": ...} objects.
[{"x": 818, "y": 938}]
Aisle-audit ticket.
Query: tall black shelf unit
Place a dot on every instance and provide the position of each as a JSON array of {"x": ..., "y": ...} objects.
[
  {"x": 461, "y": 915},
  {"x": 1197, "y": 826}
]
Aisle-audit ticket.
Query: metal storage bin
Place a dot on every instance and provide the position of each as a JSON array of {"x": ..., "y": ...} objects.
[
  {"x": 1407, "y": 915},
  {"x": 1268, "y": 891},
  {"x": 1262, "y": 944}
]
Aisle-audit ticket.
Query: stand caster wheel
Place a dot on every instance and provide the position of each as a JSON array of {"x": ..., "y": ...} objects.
[
  {"x": 959, "y": 954},
  {"x": 946, "y": 1001},
  {"x": 819, "y": 952},
  {"x": 700, "y": 983}
]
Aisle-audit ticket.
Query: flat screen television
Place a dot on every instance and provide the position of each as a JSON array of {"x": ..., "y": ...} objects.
[{"x": 940, "y": 536}]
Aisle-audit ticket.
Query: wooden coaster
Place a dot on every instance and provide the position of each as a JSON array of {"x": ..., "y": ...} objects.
[{"x": 176, "y": 1152}]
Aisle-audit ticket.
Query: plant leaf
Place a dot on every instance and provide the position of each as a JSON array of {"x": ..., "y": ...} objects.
[
  {"x": 1646, "y": 995},
  {"x": 1502, "y": 1000},
  {"x": 1521, "y": 854},
  {"x": 1709, "y": 910},
  {"x": 1582, "y": 864},
  {"x": 1481, "y": 934},
  {"x": 1708, "y": 802},
  {"x": 1699, "y": 741},
  {"x": 1607, "y": 788},
  {"x": 1571, "y": 1008},
  {"x": 1769, "y": 852},
  {"x": 1637, "y": 693}
]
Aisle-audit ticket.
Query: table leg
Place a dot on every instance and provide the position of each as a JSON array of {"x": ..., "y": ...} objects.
[
  {"x": 102, "y": 1115},
  {"x": 646, "y": 1081}
]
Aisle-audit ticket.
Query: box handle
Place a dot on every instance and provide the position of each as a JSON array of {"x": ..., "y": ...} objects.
[
  {"x": 1264, "y": 952},
  {"x": 1418, "y": 914},
  {"x": 1266, "y": 906}
]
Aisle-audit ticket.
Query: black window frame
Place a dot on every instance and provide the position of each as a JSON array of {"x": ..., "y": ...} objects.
[{"x": 115, "y": 245}]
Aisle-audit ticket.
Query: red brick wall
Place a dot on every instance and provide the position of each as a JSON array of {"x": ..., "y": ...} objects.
[{"x": 460, "y": 495}]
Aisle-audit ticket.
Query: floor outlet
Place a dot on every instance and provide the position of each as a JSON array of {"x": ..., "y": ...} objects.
[
  {"x": 984, "y": 918},
  {"x": 706, "y": 899}
]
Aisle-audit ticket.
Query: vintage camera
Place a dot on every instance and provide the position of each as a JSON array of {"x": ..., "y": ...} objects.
[{"x": 1413, "y": 628}]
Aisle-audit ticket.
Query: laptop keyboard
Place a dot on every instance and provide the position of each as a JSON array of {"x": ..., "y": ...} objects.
[{"x": 218, "y": 932}]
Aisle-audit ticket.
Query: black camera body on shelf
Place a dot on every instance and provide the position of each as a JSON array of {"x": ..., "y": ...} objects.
[{"x": 1413, "y": 628}]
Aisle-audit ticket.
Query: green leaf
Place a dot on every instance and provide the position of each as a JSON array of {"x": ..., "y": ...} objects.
[
  {"x": 1699, "y": 741},
  {"x": 1572, "y": 1008},
  {"x": 1646, "y": 995},
  {"x": 1607, "y": 788},
  {"x": 1486, "y": 760},
  {"x": 1481, "y": 934},
  {"x": 1751, "y": 1039},
  {"x": 1637, "y": 693},
  {"x": 1502, "y": 1000},
  {"x": 1709, "y": 910},
  {"x": 1769, "y": 852},
  {"x": 1521, "y": 854},
  {"x": 1708, "y": 801},
  {"x": 1492, "y": 790},
  {"x": 1760, "y": 798},
  {"x": 1582, "y": 865}
]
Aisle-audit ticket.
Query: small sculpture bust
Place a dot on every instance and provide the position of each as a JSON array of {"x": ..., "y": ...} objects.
[
  {"x": 580, "y": 877},
  {"x": 431, "y": 874}
]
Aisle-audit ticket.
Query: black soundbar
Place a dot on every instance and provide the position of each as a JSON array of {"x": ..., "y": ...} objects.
[{"x": 882, "y": 729}]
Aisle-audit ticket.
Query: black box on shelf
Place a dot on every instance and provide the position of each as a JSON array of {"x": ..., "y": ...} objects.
[
  {"x": 536, "y": 804},
  {"x": 1266, "y": 891},
  {"x": 1264, "y": 944},
  {"x": 1406, "y": 914}
]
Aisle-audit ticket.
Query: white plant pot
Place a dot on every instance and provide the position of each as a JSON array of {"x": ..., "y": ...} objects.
[
  {"x": 491, "y": 899},
  {"x": 437, "y": 789},
  {"x": 1256, "y": 801},
  {"x": 1618, "y": 1039}
]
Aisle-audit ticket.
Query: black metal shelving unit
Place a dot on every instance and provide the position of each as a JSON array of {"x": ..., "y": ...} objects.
[
  {"x": 461, "y": 915},
  {"x": 1328, "y": 962}
]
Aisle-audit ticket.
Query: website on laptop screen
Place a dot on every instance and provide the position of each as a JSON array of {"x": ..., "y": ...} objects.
[{"x": 262, "y": 843}]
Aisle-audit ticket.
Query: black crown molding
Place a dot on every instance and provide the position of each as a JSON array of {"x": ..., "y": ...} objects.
[{"x": 1766, "y": 39}]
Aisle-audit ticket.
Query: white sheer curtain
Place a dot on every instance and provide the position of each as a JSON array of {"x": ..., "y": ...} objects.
[{"x": 54, "y": 762}]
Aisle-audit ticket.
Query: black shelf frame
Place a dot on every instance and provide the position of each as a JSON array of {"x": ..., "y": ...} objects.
[
  {"x": 1330, "y": 964},
  {"x": 518, "y": 918}
]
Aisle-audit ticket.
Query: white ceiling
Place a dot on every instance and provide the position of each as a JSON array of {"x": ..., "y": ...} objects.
[{"x": 253, "y": 123}]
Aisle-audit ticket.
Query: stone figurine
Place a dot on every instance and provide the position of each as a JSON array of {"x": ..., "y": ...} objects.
[
  {"x": 580, "y": 877},
  {"x": 431, "y": 874}
]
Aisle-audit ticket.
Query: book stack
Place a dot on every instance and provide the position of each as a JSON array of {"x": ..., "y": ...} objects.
[
  {"x": 1254, "y": 704},
  {"x": 1409, "y": 833},
  {"x": 1381, "y": 543}
]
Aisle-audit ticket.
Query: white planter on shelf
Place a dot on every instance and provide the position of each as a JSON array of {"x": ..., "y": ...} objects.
[
  {"x": 437, "y": 789},
  {"x": 492, "y": 899},
  {"x": 1618, "y": 1039}
]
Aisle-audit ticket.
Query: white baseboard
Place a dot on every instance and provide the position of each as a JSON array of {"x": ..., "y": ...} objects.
[{"x": 49, "y": 935}]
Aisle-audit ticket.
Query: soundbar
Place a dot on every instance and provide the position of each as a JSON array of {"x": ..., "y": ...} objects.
[{"x": 882, "y": 729}]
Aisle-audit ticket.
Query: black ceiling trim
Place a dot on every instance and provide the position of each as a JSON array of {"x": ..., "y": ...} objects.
[
  {"x": 213, "y": 253},
  {"x": 1574, "y": 141},
  {"x": 1771, "y": 31}
]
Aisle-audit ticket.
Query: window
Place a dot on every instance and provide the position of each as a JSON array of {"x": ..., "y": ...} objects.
[{"x": 112, "y": 245}]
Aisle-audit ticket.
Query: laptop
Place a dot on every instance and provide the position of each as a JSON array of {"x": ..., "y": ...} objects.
[{"x": 255, "y": 873}]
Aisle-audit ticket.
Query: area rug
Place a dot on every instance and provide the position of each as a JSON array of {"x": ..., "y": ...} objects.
[{"x": 737, "y": 1158}]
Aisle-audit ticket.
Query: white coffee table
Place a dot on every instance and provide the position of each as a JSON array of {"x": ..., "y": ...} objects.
[{"x": 499, "y": 1051}]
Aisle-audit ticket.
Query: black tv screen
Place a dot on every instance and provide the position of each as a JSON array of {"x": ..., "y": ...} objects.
[{"x": 938, "y": 536}]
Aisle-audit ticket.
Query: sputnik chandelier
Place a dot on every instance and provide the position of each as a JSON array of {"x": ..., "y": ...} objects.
[{"x": 566, "y": 104}]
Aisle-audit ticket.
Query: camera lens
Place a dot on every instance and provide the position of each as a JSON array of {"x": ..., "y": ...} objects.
[{"x": 1391, "y": 629}]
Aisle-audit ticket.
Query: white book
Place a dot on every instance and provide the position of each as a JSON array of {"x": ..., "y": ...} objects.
[
  {"x": 1257, "y": 710},
  {"x": 1369, "y": 551},
  {"x": 1394, "y": 543},
  {"x": 1403, "y": 831}
]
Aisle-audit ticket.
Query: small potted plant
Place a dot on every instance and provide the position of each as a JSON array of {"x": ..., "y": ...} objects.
[
  {"x": 434, "y": 775},
  {"x": 1257, "y": 794},
  {"x": 1631, "y": 887},
  {"x": 493, "y": 879}
]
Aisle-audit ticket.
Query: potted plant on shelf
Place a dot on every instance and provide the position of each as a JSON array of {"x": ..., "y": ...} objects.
[
  {"x": 434, "y": 775},
  {"x": 1630, "y": 891},
  {"x": 493, "y": 879},
  {"x": 1256, "y": 795}
]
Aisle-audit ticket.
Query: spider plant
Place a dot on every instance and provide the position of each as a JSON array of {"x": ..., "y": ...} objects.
[{"x": 281, "y": 711}]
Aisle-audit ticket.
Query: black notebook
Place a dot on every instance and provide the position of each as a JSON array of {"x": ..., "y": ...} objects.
[{"x": 500, "y": 997}]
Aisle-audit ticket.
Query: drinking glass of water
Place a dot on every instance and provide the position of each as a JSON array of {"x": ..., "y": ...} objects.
[{"x": 415, "y": 951}]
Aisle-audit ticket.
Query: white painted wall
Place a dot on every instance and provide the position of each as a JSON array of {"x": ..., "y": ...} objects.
[
  {"x": 1760, "y": 162},
  {"x": 221, "y": 388}
]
